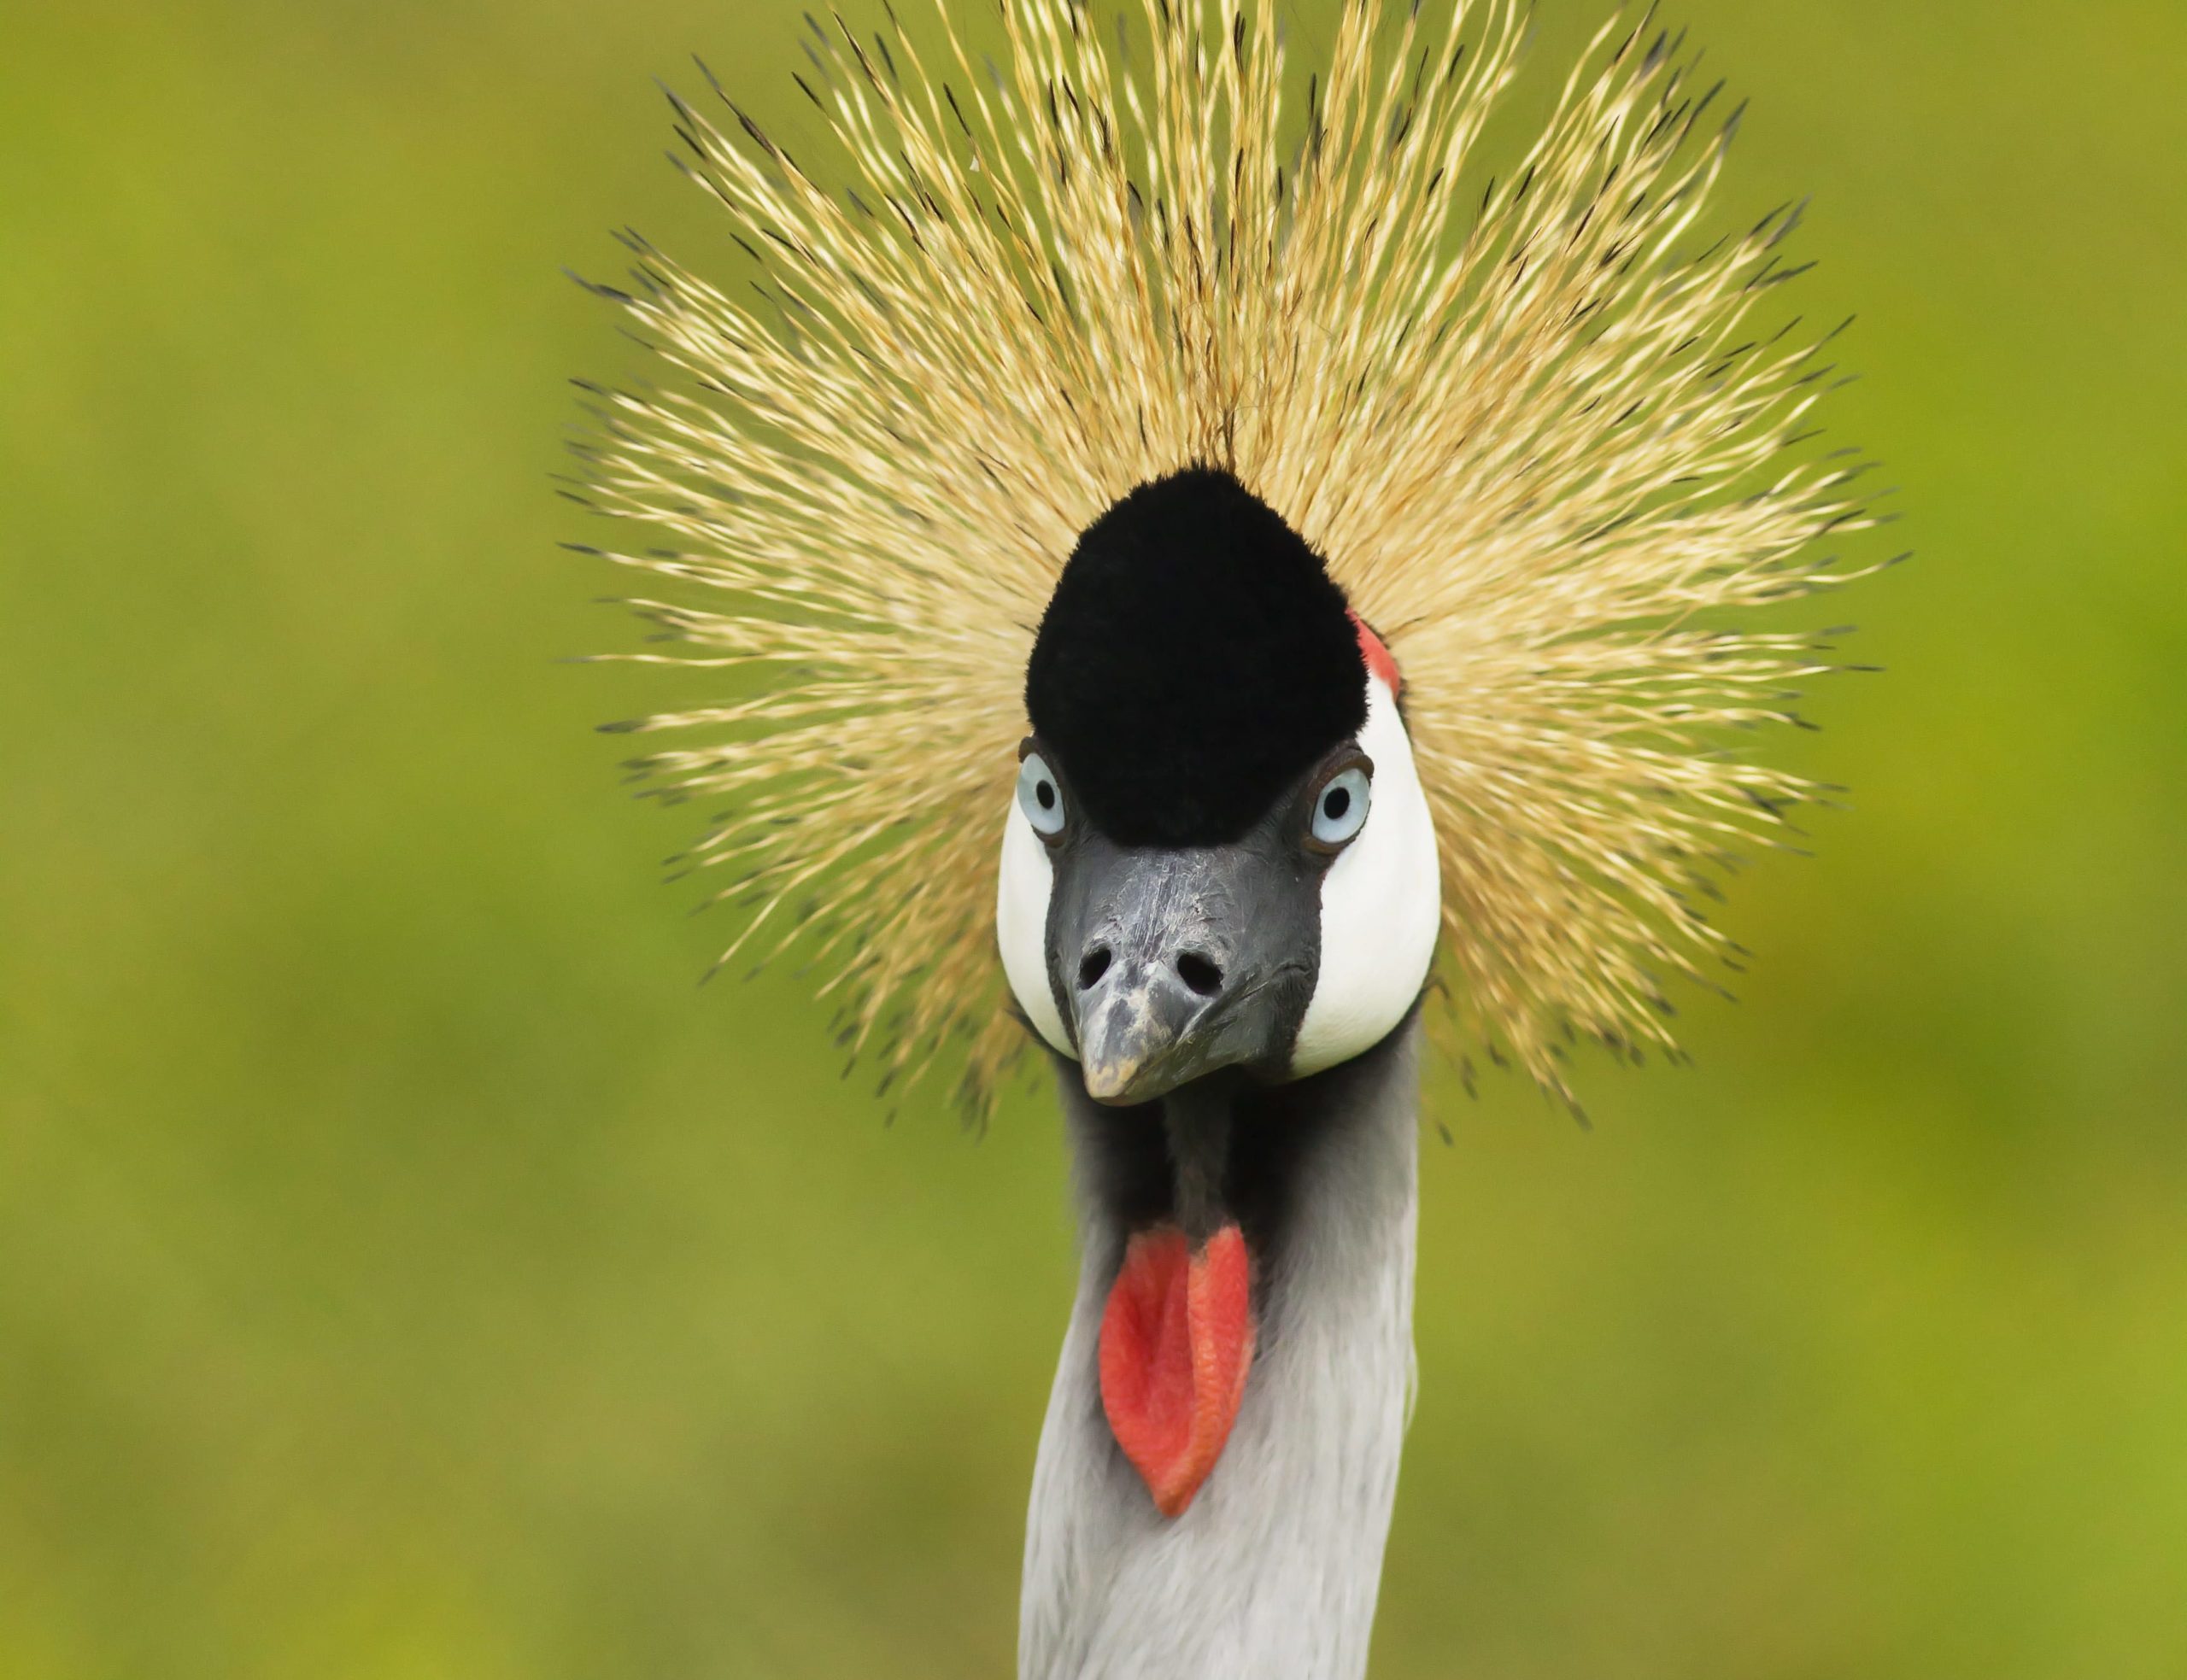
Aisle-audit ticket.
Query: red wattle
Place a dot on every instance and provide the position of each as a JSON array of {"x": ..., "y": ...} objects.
[{"x": 1176, "y": 1344}]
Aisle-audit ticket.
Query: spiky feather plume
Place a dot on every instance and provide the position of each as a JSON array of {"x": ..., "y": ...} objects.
[{"x": 1527, "y": 421}]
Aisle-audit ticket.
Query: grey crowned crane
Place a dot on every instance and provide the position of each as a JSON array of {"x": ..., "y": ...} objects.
[
  {"x": 1189, "y": 531},
  {"x": 1220, "y": 904}
]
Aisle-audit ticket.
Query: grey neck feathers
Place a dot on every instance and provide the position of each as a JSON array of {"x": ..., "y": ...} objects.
[{"x": 1273, "y": 1571}]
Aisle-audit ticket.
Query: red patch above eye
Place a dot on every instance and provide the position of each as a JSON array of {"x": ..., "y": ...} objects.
[{"x": 1377, "y": 656}]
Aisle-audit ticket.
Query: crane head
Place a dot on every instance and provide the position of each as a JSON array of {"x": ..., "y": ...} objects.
[{"x": 1219, "y": 855}]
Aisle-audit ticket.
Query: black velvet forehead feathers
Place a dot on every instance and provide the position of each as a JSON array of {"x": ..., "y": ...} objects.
[{"x": 1195, "y": 660}]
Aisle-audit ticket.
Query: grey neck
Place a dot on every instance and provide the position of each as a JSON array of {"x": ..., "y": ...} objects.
[{"x": 1273, "y": 1571}]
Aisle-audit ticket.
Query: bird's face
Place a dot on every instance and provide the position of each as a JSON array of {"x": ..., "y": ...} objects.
[
  {"x": 1295, "y": 946},
  {"x": 1218, "y": 855}
]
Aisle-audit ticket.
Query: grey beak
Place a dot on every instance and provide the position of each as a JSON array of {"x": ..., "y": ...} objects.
[
  {"x": 1176, "y": 964},
  {"x": 1133, "y": 1023}
]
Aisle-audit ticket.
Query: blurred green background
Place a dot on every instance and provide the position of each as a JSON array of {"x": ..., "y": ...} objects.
[{"x": 406, "y": 1270}]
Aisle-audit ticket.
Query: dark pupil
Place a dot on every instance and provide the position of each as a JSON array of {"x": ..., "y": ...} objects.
[
  {"x": 1337, "y": 802},
  {"x": 1045, "y": 794}
]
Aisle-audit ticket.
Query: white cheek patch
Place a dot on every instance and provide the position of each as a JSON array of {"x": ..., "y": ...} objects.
[
  {"x": 1021, "y": 926},
  {"x": 1381, "y": 906}
]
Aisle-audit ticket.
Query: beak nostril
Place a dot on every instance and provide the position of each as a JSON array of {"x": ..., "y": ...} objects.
[
  {"x": 1090, "y": 970},
  {"x": 1200, "y": 975}
]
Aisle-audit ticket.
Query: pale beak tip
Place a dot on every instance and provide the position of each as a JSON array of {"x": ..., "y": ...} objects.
[{"x": 1106, "y": 1080}]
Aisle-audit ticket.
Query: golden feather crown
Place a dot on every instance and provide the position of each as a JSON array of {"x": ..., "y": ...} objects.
[{"x": 1526, "y": 417}]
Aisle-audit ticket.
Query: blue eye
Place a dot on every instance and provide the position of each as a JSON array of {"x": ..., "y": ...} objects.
[
  {"x": 1340, "y": 807},
  {"x": 1039, "y": 796}
]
